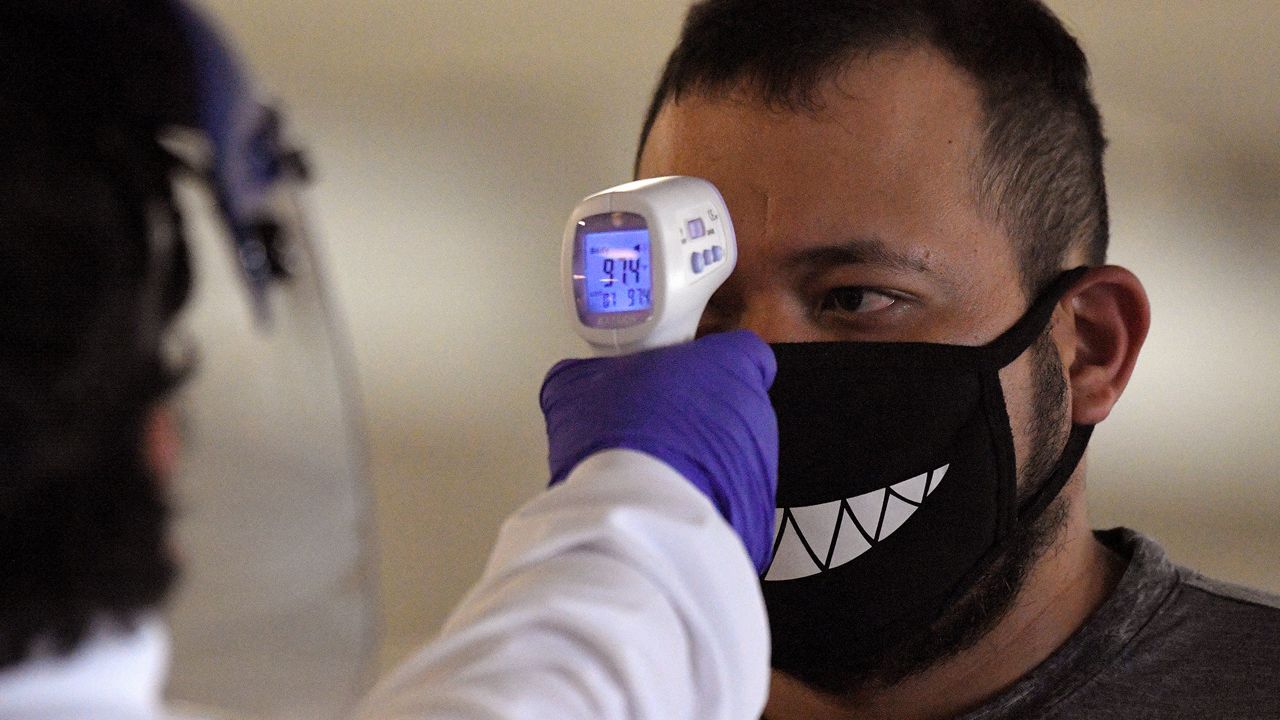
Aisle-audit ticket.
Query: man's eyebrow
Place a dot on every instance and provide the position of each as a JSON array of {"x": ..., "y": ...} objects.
[{"x": 858, "y": 251}]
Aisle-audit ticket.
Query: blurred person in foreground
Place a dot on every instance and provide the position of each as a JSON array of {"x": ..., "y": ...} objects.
[
  {"x": 922, "y": 220},
  {"x": 626, "y": 591}
]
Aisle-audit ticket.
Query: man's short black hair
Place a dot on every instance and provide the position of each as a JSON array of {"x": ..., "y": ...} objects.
[
  {"x": 92, "y": 271},
  {"x": 1040, "y": 170}
]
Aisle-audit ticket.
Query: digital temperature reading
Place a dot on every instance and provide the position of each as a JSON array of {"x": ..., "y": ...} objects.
[{"x": 619, "y": 273}]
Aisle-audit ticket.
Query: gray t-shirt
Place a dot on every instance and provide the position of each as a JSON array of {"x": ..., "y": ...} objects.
[{"x": 1168, "y": 643}]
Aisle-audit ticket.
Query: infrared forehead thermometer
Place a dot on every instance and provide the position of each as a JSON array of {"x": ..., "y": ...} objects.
[{"x": 641, "y": 260}]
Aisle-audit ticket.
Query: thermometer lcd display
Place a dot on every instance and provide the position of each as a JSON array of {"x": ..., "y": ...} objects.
[{"x": 619, "y": 273}]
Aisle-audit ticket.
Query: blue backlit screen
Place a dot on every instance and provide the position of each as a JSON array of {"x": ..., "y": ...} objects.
[{"x": 618, "y": 269}]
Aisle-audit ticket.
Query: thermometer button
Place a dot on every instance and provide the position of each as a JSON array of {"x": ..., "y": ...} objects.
[
  {"x": 717, "y": 253},
  {"x": 696, "y": 259},
  {"x": 708, "y": 257}
]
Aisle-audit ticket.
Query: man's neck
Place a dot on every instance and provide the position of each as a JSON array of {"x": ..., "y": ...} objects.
[{"x": 1072, "y": 579}]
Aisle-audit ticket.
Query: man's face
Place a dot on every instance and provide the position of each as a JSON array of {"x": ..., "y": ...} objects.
[{"x": 859, "y": 221}]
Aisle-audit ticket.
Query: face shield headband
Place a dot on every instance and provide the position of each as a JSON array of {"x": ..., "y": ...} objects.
[
  {"x": 897, "y": 486},
  {"x": 252, "y": 170}
]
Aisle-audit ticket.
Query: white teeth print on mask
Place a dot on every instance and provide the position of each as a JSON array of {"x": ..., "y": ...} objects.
[{"x": 815, "y": 538}]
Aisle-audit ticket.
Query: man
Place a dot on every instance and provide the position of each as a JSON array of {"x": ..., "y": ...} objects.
[
  {"x": 913, "y": 183},
  {"x": 627, "y": 591}
]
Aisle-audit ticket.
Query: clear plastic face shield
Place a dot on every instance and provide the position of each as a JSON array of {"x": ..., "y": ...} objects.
[{"x": 275, "y": 613}]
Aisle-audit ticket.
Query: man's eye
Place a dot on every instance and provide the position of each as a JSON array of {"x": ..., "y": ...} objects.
[{"x": 855, "y": 300}]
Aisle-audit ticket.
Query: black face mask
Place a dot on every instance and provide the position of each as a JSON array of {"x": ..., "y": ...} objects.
[{"x": 897, "y": 486}]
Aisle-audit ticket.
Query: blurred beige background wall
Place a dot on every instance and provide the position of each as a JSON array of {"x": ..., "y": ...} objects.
[{"x": 451, "y": 138}]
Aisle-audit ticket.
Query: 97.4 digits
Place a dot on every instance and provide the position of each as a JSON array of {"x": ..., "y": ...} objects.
[
  {"x": 619, "y": 274},
  {"x": 624, "y": 282},
  {"x": 624, "y": 279}
]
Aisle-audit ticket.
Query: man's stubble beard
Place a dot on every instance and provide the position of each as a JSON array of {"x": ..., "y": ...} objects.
[{"x": 978, "y": 611}]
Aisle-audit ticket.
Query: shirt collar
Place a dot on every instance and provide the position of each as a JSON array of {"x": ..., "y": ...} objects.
[{"x": 1147, "y": 584}]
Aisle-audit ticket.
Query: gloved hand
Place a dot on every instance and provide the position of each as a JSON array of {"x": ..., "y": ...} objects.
[{"x": 701, "y": 407}]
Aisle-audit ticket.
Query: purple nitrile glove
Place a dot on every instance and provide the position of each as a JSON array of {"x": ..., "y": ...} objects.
[{"x": 701, "y": 407}]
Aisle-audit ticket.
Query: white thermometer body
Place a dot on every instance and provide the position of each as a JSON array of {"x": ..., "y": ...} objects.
[{"x": 641, "y": 260}]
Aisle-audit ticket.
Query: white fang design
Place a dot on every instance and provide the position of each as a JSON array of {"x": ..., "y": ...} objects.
[{"x": 811, "y": 539}]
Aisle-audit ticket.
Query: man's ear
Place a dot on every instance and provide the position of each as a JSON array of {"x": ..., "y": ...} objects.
[
  {"x": 161, "y": 443},
  {"x": 1109, "y": 316}
]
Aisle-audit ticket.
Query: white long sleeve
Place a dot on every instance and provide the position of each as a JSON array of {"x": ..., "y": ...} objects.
[{"x": 621, "y": 594}]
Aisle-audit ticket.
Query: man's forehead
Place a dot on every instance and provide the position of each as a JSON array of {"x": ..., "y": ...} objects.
[
  {"x": 881, "y": 171},
  {"x": 893, "y": 131},
  {"x": 892, "y": 118}
]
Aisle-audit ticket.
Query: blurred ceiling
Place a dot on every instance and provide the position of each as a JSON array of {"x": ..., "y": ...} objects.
[{"x": 1215, "y": 65}]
